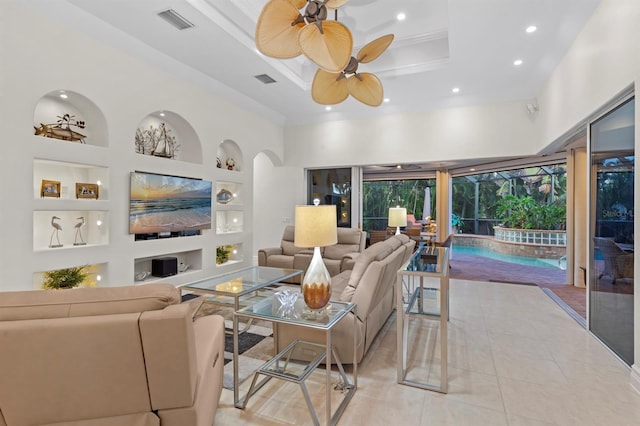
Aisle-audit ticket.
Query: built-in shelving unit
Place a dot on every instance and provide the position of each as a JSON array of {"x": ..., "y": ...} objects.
[{"x": 80, "y": 216}]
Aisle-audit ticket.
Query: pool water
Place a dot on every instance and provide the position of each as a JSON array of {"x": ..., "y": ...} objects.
[{"x": 520, "y": 260}]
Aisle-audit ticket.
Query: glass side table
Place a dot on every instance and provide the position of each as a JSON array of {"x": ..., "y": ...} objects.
[
  {"x": 423, "y": 301},
  {"x": 289, "y": 364}
]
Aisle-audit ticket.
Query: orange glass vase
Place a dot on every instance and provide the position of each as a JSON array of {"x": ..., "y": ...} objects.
[{"x": 316, "y": 285}]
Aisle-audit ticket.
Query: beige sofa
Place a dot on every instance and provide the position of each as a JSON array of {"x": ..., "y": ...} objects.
[
  {"x": 130, "y": 356},
  {"x": 289, "y": 256},
  {"x": 370, "y": 285}
]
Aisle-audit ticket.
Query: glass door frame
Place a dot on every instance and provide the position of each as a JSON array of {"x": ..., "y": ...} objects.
[{"x": 619, "y": 101}]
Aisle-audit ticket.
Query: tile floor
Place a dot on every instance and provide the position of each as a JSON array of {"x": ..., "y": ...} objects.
[{"x": 515, "y": 358}]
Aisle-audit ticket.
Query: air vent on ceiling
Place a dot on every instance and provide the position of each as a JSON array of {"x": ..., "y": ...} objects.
[
  {"x": 175, "y": 19},
  {"x": 265, "y": 78}
]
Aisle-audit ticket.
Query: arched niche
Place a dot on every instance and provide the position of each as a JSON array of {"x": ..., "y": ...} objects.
[
  {"x": 230, "y": 156},
  {"x": 168, "y": 135},
  {"x": 69, "y": 116}
]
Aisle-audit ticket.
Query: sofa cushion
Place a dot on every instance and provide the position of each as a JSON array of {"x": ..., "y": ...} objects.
[
  {"x": 288, "y": 237},
  {"x": 56, "y": 370},
  {"x": 142, "y": 419},
  {"x": 43, "y": 304},
  {"x": 338, "y": 251},
  {"x": 373, "y": 253}
]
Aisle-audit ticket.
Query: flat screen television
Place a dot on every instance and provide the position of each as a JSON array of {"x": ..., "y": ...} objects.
[{"x": 168, "y": 204}]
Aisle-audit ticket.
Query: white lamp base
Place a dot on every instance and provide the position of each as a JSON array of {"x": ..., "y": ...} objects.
[{"x": 397, "y": 230}]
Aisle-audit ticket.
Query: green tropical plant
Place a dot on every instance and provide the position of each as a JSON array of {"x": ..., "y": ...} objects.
[
  {"x": 64, "y": 278},
  {"x": 526, "y": 213},
  {"x": 222, "y": 254}
]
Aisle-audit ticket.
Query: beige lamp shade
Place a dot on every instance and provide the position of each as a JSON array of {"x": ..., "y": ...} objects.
[
  {"x": 315, "y": 226},
  {"x": 397, "y": 216}
]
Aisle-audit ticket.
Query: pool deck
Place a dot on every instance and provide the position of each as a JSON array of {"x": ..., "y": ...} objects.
[{"x": 478, "y": 268}]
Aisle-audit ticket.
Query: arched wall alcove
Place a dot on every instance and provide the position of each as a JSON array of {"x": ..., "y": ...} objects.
[
  {"x": 69, "y": 116},
  {"x": 167, "y": 134},
  {"x": 230, "y": 156}
]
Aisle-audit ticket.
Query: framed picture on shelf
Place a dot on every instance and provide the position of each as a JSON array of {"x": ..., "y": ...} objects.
[
  {"x": 87, "y": 190},
  {"x": 50, "y": 188}
]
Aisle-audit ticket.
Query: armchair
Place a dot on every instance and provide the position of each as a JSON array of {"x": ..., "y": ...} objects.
[{"x": 350, "y": 241}]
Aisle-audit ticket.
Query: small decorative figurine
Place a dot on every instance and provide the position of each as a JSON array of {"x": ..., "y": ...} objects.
[
  {"x": 78, "y": 227},
  {"x": 231, "y": 164},
  {"x": 56, "y": 228},
  {"x": 62, "y": 129}
]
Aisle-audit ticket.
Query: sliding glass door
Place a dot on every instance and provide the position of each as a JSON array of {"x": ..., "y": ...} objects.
[{"x": 612, "y": 250}]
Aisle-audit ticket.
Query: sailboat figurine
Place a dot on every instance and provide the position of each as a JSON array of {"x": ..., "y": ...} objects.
[{"x": 163, "y": 146}]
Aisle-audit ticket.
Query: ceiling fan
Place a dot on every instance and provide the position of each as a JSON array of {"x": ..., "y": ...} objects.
[
  {"x": 330, "y": 88},
  {"x": 283, "y": 32}
]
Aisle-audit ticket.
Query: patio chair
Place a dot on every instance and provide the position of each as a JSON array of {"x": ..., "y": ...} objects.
[{"x": 618, "y": 264}]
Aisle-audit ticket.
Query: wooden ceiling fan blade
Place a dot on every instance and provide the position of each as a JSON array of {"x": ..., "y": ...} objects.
[
  {"x": 334, "y": 4},
  {"x": 367, "y": 88},
  {"x": 372, "y": 50},
  {"x": 275, "y": 36},
  {"x": 298, "y": 4},
  {"x": 330, "y": 50},
  {"x": 327, "y": 89}
]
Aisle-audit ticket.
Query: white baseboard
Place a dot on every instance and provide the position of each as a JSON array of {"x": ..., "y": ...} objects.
[{"x": 635, "y": 377}]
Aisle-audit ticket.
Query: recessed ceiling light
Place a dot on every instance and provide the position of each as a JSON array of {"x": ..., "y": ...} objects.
[
  {"x": 455, "y": 90},
  {"x": 472, "y": 169},
  {"x": 517, "y": 62},
  {"x": 387, "y": 99},
  {"x": 531, "y": 29},
  {"x": 401, "y": 16},
  {"x": 327, "y": 108}
]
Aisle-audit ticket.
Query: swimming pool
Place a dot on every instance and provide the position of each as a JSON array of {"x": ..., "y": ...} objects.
[{"x": 520, "y": 260}]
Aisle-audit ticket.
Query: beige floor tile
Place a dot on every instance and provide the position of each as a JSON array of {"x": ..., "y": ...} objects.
[
  {"x": 515, "y": 358},
  {"x": 442, "y": 411}
]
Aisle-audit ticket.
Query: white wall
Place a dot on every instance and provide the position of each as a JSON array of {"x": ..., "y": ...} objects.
[
  {"x": 277, "y": 190},
  {"x": 41, "y": 56},
  {"x": 488, "y": 131}
]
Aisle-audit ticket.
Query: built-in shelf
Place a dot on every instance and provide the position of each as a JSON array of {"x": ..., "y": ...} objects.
[
  {"x": 69, "y": 229},
  {"x": 96, "y": 272},
  {"x": 230, "y": 156},
  {"x": 188, "y": 262},
  {"x": 229, "y": 254},
  {"x": 58, "y": 180},
  {"x": 70, "y": 117},
  {"x": 228, "y": 221},
  {"x": 165, "y": 134},
  {"x": 228, "y": 194}
]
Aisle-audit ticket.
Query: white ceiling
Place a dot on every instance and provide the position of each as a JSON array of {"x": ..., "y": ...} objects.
[{"x": 470, "y": 44}]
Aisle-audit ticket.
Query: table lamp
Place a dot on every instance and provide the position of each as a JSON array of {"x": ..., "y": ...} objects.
[
  {"x": 316, "y": 226},
  {"x": 397, "y": 217}
]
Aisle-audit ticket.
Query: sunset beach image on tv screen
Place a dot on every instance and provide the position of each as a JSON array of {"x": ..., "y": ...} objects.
[{"x": 162, "y": 203}]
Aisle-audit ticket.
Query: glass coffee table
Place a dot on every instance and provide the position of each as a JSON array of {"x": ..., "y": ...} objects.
[
  {"x": 242, "y": 287},
  {"x": 300, "y": 358}
]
